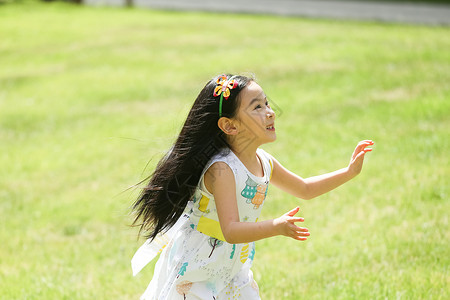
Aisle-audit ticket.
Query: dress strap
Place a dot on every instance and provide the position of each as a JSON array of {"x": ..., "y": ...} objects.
[{"x": 267, "y": 162}]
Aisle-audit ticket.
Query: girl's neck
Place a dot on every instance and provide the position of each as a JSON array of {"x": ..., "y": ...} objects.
[{"x": 247, "y": 155}]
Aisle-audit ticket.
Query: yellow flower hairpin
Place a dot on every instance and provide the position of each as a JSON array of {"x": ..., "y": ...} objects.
[{"x": 224, "y": 85}]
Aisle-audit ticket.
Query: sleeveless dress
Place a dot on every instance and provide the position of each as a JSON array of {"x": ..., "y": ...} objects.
[{"x": 196, "y": 262}]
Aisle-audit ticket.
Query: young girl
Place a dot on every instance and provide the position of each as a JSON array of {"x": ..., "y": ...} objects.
[{"x": 201, "y": 206}]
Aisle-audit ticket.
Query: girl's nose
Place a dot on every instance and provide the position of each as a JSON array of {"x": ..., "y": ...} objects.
[{"x": 270, "y": 113}]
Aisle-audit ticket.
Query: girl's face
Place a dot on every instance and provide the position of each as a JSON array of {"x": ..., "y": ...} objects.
[{"x": 255, "y": 118}]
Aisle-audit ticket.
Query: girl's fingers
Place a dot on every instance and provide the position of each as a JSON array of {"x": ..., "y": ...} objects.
[
  {"x": 298, "y": 229},
  {"x": 363, "y": 151},
  {"x": 370, "y": 142},
  {"x": 303, "y": 234},
  {"x": 302, "y": 229},
  {"x": 364, "y": 144},
  {"x": 361, "y": 147},
  {"x": 293, "y": 211},
  {"x": 298, "y": 219}
]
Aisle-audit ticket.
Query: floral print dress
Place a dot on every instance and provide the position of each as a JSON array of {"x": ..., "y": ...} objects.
[{"x": 196, "y": 262}]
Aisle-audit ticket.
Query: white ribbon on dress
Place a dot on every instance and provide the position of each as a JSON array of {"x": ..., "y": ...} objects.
[{"x": 150, "y": 249}]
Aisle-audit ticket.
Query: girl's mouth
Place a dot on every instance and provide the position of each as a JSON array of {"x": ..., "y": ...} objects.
[{"x": 270, "y": 128}]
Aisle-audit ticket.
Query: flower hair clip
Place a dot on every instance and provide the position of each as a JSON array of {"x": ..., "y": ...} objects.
[{"x": 224, "y": 85}]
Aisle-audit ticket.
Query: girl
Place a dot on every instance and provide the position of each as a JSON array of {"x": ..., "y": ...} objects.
[{"x": 201, "y": 206}]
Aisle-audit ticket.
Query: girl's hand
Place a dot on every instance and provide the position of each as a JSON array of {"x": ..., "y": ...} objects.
[
  {"x": 357, "y": 160},
  {"x": 285, "y": 225}
]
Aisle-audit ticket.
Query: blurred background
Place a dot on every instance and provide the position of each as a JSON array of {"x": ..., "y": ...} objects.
[{"x": 92, "y": 95}]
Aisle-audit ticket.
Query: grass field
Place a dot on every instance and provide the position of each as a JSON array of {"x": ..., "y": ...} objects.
[{"x": 89, "y": 95}]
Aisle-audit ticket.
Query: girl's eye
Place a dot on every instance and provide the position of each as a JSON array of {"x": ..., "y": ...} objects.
[{"x": 258, "y": 106}]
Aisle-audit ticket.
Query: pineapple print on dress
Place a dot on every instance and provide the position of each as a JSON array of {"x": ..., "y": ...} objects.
[{"x": 255, "y": 193}]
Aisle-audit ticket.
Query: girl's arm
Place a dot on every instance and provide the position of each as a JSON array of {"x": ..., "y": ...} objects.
[
  {"x": 219, "y": 180},
  {"x": 315, "y": 186}
]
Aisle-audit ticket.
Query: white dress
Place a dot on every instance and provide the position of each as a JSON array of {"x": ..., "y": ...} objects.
[{"x": 196, "y": 262}]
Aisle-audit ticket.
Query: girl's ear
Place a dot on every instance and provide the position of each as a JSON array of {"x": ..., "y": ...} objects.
[{"x": 227, "y": 126}]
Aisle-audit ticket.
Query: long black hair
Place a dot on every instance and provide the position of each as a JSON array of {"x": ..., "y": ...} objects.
[{"x": 177, "y": 174}]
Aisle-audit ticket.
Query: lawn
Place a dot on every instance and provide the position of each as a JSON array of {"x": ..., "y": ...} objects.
[{"x": 90, "y": 96}]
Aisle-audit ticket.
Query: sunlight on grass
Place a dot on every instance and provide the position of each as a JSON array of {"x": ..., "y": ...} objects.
[{"x": 90, "y": 96}]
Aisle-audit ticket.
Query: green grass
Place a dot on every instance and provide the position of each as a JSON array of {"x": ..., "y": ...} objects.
[{"x": 89, "y": 95}]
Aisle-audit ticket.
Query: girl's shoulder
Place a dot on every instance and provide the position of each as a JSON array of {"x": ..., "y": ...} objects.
[
  {"x": 229, "y": 158},
  {"x": 224, "y": 155}
]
